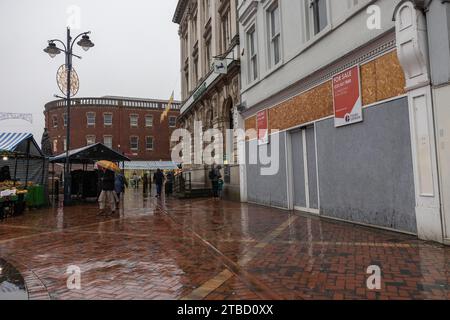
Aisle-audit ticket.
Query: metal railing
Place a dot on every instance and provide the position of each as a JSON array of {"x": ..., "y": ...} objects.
[{"x": 183, "y": 182}]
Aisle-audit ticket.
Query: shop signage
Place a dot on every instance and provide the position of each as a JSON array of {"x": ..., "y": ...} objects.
[
  {"x": 347, "y": 98},
  {"x": 209, "y": 81},
  {"x": 220, "y": 66},
  {"x": 200, "y": 91},
  {"x": 262, "y": 124}
]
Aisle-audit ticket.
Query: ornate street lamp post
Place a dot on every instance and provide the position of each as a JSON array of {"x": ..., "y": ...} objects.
[{"x": 68, "y": 82}]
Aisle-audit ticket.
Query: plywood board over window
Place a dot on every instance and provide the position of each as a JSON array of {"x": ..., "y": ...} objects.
[
  {"x": 250, "y": 123},
  {"x": 312, "y": 105},
  {"x": 382, "y": 78}
]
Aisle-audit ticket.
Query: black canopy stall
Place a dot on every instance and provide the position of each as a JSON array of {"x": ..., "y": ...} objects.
[
  {"x": 90, "y": 154},
  {"x": 84, "y": 182}
]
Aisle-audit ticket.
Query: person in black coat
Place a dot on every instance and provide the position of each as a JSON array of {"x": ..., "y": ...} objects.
[
  {"x": 158, "y": 177},
  {"x": 145, "y": 183},
  {"x": 107, "y": 179},
  {"x": 4, "y": 174}
]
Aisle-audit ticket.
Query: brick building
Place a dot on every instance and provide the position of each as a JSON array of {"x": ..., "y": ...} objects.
[{"x": 128, "y": 125}]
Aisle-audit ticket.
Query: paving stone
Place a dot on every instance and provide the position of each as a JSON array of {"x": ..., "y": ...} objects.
[{"x": 204, "y": 249}]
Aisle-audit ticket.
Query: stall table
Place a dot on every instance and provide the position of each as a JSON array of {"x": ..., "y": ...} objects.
[{"x": 15, "y": 205}]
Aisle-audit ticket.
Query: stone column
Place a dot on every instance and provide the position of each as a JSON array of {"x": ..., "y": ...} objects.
[
  {"x": 438, "y": 24},
  {"x": 412, "y": 49}
]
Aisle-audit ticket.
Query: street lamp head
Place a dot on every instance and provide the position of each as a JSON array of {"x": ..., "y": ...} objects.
[
  {"x": 52, "y": 50},
  {"x": 85, "y": 43}
]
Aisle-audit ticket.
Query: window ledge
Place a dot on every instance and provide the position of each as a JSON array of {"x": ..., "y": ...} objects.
[{"x": 265, "y": 76}]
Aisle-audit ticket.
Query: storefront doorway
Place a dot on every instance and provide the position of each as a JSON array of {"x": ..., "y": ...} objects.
[{"x": 304, "y": 169}]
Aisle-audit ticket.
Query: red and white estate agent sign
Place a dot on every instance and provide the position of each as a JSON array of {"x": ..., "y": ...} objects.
[
  {"x": 262, "y": 124},
  {"x": 347, "y": 98}
]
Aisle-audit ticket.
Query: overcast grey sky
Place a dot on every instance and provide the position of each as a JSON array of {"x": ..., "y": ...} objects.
[{"x": 136, "y": 53}]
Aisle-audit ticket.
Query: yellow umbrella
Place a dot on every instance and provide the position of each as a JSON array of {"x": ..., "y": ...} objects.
[{"x": 108, "y": 165}]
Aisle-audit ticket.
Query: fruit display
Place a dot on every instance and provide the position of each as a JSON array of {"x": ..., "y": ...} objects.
[{"x": 19, "y": 187}]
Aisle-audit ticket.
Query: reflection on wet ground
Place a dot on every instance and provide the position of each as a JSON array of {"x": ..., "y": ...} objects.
[
  {"x": 12, "y": 285},
  {"x": 205, "y": 249}
]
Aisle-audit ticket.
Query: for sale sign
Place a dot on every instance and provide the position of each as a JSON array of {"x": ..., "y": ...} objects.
[
  {"x": 262, "y": 123},
  {"x": 347, "y": 98}
]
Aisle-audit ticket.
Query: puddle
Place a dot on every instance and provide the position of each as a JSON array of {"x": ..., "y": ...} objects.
[{"x": 12, "y": 285}]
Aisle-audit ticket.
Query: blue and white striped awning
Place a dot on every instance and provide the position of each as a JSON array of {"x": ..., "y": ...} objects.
[
  {"x": 9, "y": 140},
  {"x": 150, "y": 165}
]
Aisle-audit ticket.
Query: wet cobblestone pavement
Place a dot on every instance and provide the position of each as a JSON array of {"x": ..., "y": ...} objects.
[{"x": 205, "y": 249}]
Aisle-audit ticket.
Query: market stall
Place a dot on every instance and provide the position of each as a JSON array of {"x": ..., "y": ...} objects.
[
  {"x": 23, "y": 174},
  {"x": 84, "y": 175}
]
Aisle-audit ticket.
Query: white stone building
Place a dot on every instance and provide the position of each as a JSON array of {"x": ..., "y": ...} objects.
[
  {"x": 389, "y": 170},
  {"x": 209, "y": 31}
]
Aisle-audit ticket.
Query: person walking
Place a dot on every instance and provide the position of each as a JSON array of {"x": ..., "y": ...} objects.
[
  {"x": 169, "y": 183},
  {"x": 120, "y": 183},
  {"x": 145, "y": 183},
  {"x": 134, "y": 179},
  {"x": 107, "y": 195},
  {"x": 214, "y": 176},
  {"x": 220, "y": 188},
  {"x": 158, "y": 177},
  {"x": 150, "y": 183}
]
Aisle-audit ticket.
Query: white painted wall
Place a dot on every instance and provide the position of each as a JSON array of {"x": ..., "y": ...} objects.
[
  {"x": 300, "y": 58},
  {"x": 442, "y": 117},
  {"x": 412, "y": 50}
]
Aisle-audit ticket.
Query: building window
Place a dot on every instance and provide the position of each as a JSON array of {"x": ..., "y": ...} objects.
[
  {"x": 194, "y": 30},
  {"x": 134, "y": 143},
  {"x": 186, "y": 80},
  {"x": 320, "y": 15},
  {"x": 55, "y": 121},
  {"x": 108, "y": 119},
  {"x": 195, "y": 70},
  {"x": 134, "y": 120},
  {"x": 206, "y": 10},
  {"x": 172, "y": 122},
  {"x": 149, "y": 121},
  {"x": 208, "y": 55},
  {"x": 185, "y": 46},
  {"x": 108, "y": 141},
  {"x": 55, "y": 146},
  {"x": 149, "y": 143},
  {"x": 90, "y": 119},
  {"x": 90, "y": 140},
  {"x": 65, "y": 119},
  {"x": 274, "y": 34},
  {"x": 225, "y": 31},
  {"x": 252, "y": 54}
]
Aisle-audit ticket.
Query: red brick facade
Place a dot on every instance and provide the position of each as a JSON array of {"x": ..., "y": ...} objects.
[{"x": 120, "y": 131}]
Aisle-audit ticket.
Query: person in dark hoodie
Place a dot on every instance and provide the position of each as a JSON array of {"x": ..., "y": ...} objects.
[{"x": 120, "y": 183}]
